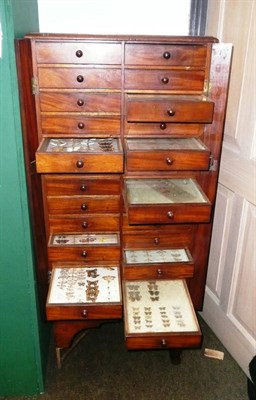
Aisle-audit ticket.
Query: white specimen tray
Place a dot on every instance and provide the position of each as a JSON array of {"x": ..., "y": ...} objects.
[
  {"x": 70, "y": 285},
  {"x": 158, "y": 306}
]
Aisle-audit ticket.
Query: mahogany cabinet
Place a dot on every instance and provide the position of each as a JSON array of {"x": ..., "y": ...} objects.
[{"x": 122, "y": 138}]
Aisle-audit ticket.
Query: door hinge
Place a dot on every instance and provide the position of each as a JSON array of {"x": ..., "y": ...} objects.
[
  {"x": 213, "y": 164},
  {"x": 34, "y": 84}
]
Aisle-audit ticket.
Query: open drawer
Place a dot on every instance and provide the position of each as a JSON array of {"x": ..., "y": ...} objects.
[
  {"x": 166, "y": 154},
  {"x": 165, "y": 201},
  {"x": 81, "y": 155},
  {"x": 84, "y": 293},
  {"x": 157, "y": 264},
  {"x": 159, "y": 314}
]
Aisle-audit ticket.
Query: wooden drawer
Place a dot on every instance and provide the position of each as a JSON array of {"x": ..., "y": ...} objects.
[
  {"x": 177, "y": 80},
  {"x": 165, "y": 201},
  {"x": 79, "y": 78},
  {"x": 162, "y": 129},
  {"x": 165, "y": 54},
  {"x": 167, "y": 263},
  {"x": 63, "y": 125},
  {"x": 95, "y": 247},
  {"x": 159, "y": 314},
  {"x": 101, "y": 103},
  {"x": 64, "y": 155},
  {"x": 78, "y": 53},
  {"x": 166, "y": 154},
  {"x": 83, "y": 204},
  {"x": 195, "y": 109},
  {"x": 84, "y": 223},
  {"x": 157, "y": 239},
  {"x": 80, "y": 293},
  {"x": 73, "y": 185}
]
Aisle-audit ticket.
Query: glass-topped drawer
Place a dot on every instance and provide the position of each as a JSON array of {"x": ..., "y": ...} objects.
[
  {"x": 165, "y": 201},
  {"x": 80, "y": 155},
  {"x": 166, "y": 154},
  {"x": 84, "y": 293},
  {"x": 157, "y": 264},
  {"x": 84, "y": 247},
  {"x": 159, "y": 314}
]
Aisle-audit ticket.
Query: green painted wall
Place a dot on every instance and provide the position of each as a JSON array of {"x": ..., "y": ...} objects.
[{"x": 23, "y": 337}]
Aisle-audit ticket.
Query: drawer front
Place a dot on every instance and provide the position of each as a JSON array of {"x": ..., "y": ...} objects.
[
  {"x": 175, "y": 271},
  {"x": 165, "y": 54},
  {"x": 170, "y": 214},
  {"x": 169, "y": 110},
  {"x": 79, "y": 78},
  {"x": 167, "y": 160},
  {"x": 79, "y": 163},
  {"x": 83, "y": 205},
  {"x": 163, "y": 341},
  {"x": 84, "y": 253},
  {"x": 157, "y": 239},
  {"x": 164, "y": 80},
  {"x": 78, "y": 53},
  {"x": 83, "y": 312},
  {"x": 163, "y": 128},
  {"x": 73, "y": 185},
  {"x": 79, "y": 125},
  {"x": 84, "y": 223},
  {"x": 80, "y": 102}
]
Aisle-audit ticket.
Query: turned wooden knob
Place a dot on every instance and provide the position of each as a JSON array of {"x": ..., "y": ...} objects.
[
  {"x": 83, "y": 187},
  {"x": 84, "y": 313},
  {"x": 84, "y": 253},
  {"x": 165, "y": 80},
  {"x": 80, "y": 102},
  {"x": 167, "y": 55},
  {"x": 159, "y": 272},
  {"x": 84, "y": 206},
  {"x": 171, "y": 113},
  {"x": 84, "y": 224},
  {"x": 79, "y": 164},
  {"x": 163, "y": 343},
  {"x": 80, "y": 78},
  {"x": 80, "y": 125},
  {"x": 163, "y": 126},
  {"x": 170, "y": 214},
  {"x": 79, "y": 53},
  {"x": 156, "y": 240},
  {"x": 169, "y": 161}
]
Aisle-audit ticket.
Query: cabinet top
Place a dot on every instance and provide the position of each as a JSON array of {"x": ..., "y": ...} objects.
[{"x": 131, "y": 38}]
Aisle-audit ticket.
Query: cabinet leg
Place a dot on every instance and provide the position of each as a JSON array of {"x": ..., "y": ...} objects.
[{"x": 175, "y": 356}]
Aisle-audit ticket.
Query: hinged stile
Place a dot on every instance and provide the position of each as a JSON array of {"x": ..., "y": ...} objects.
[{"x": 34, "y": 84}]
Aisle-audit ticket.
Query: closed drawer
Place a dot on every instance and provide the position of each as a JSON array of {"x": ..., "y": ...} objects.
[
  {"x": 165, "y": 54},
  {"x": 188, "y": 81},
  {"x": 157, "y": 264},
  {"x": 88, "y": 223},
  {"x": 63, "y": 125},
  {"x": 159, "y": 314},
  {"x": 195, "y": 109},
  {"x": 74, "y": 185},
  {"x": 79, "y": 78},
  {"x": 159, "y": 239},
  {"x": 166, "y": 154},
  {"x": 83, "y": 204},
  {"x": 165, "y": 201},
  {"x": 84, "y": 293},
  {"x": 163, "y": 129},
  {"x": 80, "y": 156},
  {"x": 99, "y": 103},
  {"x": 78, "y": 53}
]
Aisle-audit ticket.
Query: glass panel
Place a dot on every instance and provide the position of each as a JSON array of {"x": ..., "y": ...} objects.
[
  {"x": 156, "y": 256},
  {"x": 85, "y": 285},
  {"x": 65, "y": 240},
  {"x": 159, "y": 306},
  {"x": 90, "y": 145},
  {"x": 163, "y": 191},
  {"x": 165, "y": 144}
]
